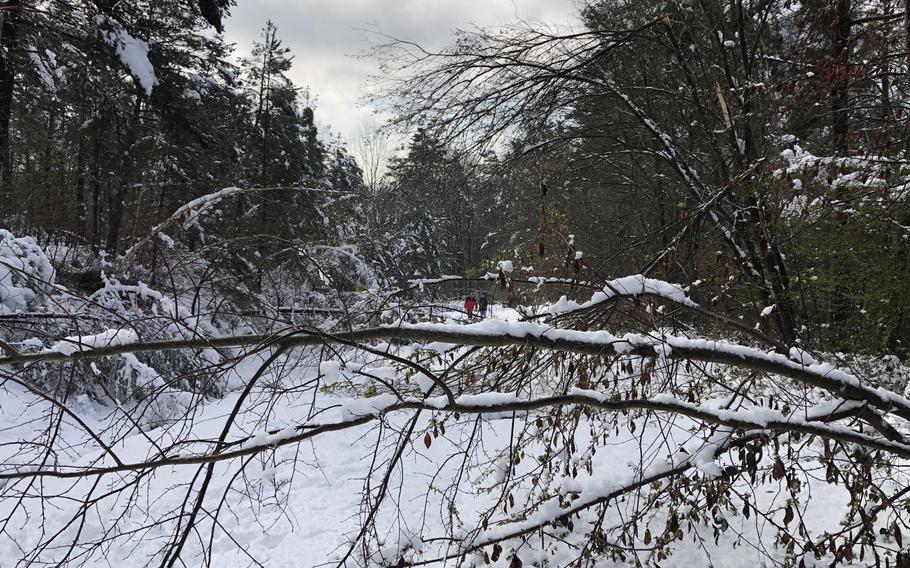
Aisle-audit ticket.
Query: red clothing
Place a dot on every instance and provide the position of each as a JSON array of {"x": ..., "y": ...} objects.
[{"x": 470, "y": 304}]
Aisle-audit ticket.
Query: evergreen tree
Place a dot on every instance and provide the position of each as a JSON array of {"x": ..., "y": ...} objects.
[{"x": 436, "y": 202}]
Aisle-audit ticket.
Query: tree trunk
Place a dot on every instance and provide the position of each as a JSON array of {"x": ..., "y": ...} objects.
[
  {"x": 96, "y": 191},
  {"x": 907, "y": 33},
  {"x": 80, "y": 187},
  {"x": 115, "y": 217},
  {"x": 840, "y": 102},
  {"x": 51, "y": 211},
  {"x": 118, "y": 195},
  {"x": 9, "y": 13}
]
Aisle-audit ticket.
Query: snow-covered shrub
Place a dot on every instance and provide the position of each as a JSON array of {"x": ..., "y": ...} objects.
[
  {"x": 119, "y": 313},
  {"x": 26, "y": 274},
  {"x": 139, "y": 384},
  {"x": 886, "y": 371}
]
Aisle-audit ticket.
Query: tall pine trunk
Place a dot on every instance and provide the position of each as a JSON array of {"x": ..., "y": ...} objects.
[
  {"x": 9, "y": 13},
  {"x": 840, "y": 101},
  {"x": 80, "y": 187},
  {"x": 117, "y": 204}
]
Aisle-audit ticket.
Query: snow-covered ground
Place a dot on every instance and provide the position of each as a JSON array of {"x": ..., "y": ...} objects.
[
  {"x": 303, "y": 505},
  {"x": 305, "y": 514}
]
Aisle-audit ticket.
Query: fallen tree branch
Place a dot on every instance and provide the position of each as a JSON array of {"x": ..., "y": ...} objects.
[
  {"x": 499, "y": 334},
  {"x": 766, "y": 420}
]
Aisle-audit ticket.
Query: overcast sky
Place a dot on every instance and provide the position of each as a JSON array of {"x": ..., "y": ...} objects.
[{"x": 324, "y": 34}]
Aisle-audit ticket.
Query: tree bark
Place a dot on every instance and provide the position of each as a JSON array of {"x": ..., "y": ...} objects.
[
  {"x": 96, "y": 191},
  {"x": 80, "y": 187},
  {"x": 907, "y": 33},
  {"x": 118, "y": 196},
  {"x": 9, "y": 13},
  {"x": 840, "y": 93}
]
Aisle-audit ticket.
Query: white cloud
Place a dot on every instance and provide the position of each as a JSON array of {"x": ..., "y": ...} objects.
[{"x": 325, "y": 35}]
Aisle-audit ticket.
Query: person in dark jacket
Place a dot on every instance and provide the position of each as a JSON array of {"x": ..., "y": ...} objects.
[
  {"x": 482, "y": 303},
  {"x": 470, "y": 304}
]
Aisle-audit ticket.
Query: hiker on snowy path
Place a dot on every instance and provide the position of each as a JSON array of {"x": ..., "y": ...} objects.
[{"x": 470, "y": 304}]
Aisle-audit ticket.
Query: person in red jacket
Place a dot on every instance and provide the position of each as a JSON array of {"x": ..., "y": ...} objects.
[{"x": 470, "y": 304}]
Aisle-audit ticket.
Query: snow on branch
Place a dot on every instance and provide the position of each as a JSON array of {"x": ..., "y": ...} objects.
[
  {"x": 357, "y": 412},
  {"x": 26, "y": 273},
  {"x": 191, "y": 210},
  {"x": 132, "y": 51},
  {"x": 696, "y": 454},
  {"x": 107, "y": 338},
  {"x": 495, "y": 333},
  {"x": 627, "y": 287}
]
